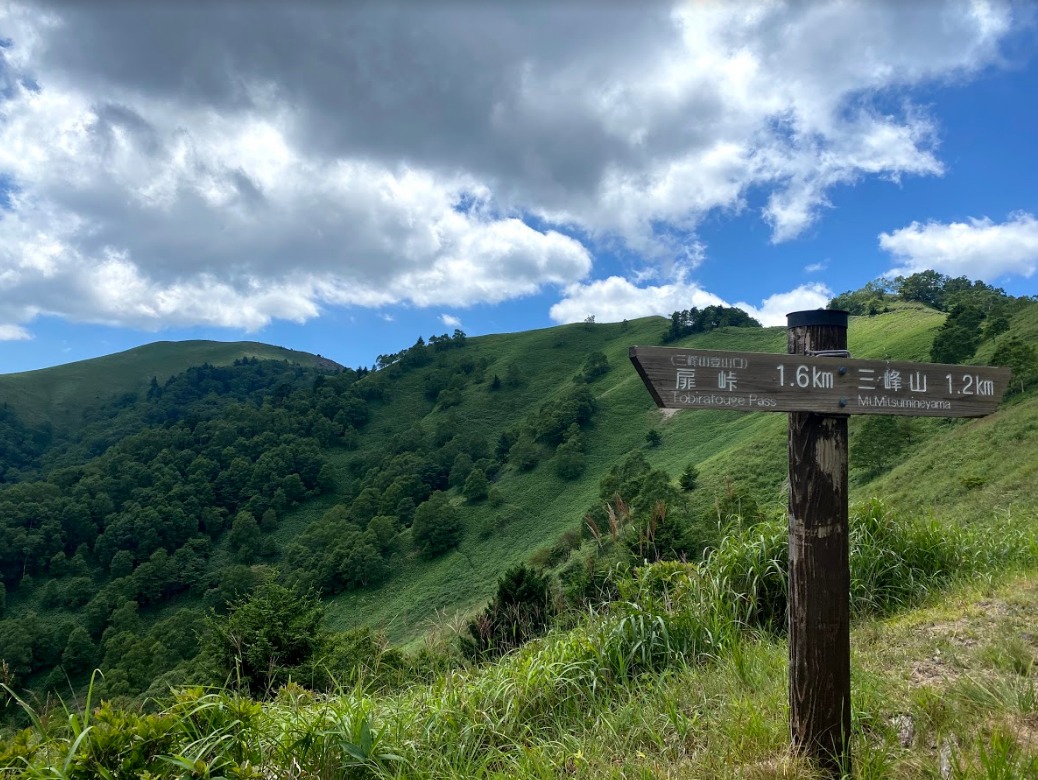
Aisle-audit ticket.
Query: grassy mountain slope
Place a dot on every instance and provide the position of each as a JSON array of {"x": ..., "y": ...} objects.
[
  {"x": 729, "y": 448},
  {"x": 967, "y": 469},
  {"x": 503, "y": 383},
  {"x": 971, "y": 469},
  {"x": 540, "y": 505},
  {"x": 59, "y": 394},
  {"x": 664, "y": 681}
]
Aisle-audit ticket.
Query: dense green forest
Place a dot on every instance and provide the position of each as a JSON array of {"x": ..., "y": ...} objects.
[{"x": 265, "y": 520}]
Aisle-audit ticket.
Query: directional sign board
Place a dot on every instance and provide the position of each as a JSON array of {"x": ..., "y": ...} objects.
[{"x": 762, "y": 382}]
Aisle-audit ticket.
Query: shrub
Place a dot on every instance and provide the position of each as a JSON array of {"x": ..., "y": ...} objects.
[
  {"x": 594, "y": 366},
  {"x": 357, "y": 657},
  {"x": 437, "y": 527},
  {"x": 521, "y": 610},
  {"x": 569, "y": 456},
  {"x": 523, "y": 453},
  {"x": 265, "y": 637}
]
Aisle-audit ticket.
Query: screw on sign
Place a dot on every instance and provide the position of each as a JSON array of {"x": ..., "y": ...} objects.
[{"x": 819, "y": 385}]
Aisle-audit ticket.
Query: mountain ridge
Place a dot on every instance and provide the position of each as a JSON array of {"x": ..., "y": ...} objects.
[
  {"x": 56, "y": 393},
  {"x": 185, "y": 494}
]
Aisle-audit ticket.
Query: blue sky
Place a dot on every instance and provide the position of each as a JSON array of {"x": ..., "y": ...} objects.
[{"x": 344, "y": 180}]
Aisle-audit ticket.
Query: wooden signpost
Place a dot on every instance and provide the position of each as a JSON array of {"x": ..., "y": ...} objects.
[{"x": 819, "y": 385}]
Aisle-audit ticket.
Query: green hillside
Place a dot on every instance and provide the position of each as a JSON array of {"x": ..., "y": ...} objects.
[
  {"x": 248, "y": 525},
  {"x": 748, "y": 451},
  {"x": 58, "y": 395},
  {"x": 430, "y": 417},
  {"x": 539, "y": 505}
]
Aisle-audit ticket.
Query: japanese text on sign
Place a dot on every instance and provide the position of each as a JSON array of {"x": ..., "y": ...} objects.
[{"x": 748, "y": 381}]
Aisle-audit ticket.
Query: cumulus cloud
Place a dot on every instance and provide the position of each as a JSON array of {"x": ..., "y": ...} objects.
[
  {"x": 774, "y": 308},
  {"x": 13, "y": 333},
  {"x": 204, "y": 163},
  {"x": 615, "y": 299},
  {"x": 978, "y": 248},
  {"x": 450, "y": 321}
]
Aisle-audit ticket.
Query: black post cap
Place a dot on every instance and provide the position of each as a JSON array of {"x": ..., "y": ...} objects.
[{"x": 836, "y": 318}]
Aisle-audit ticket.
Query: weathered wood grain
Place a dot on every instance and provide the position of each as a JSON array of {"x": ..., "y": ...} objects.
[{"x": 819, "y": 570}]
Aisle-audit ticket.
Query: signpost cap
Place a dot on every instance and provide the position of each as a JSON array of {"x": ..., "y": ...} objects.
[{"x": 836, "y": 318}]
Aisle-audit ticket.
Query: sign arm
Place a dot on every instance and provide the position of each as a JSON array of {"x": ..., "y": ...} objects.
[{"x": 819, "y": 384}]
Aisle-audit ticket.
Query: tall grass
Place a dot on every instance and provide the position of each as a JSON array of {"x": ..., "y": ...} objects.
[{"x": 529, "y": 714}]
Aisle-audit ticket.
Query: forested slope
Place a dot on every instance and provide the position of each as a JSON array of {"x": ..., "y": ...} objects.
[{"x": 400, "y": 496}]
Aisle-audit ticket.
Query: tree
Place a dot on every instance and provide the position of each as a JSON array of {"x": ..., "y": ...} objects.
[
  {"x": 1022, "y": 360},
  {"x": 735, "y": 502},
  {"x": 523, "y": 453},
  {"x": 16, "y": 641},
  {"x": 80, "y": 651},
  {"x": 365, "y": 505},
  {"x": 879, "y": 443},
  {"x": 689, "y": 478},
  {"x": 925, "y": 287},
  {"x": 870, "y": 300},
  {"x": 514, "y": 376},
  {"x": 437, "y": 527},
  {"x": 685, "y": 323},
  {"x": 663, "y": 535},
  {"x": 623, "y": 477},
  {"x": 363, "y": 564},
  {"x": 553, "y": 419},
  {"x": 269, "y": 520},
  {"x": 654, "y": 438},
  {"x": 244, "y": 537},
  {"x": 405, "y": 511},
  {"x": 569, "y": 456},
  {"x": 358, "y": 656},
  {"x": 476, "y": 486},
  {"x": 460, "y": 470},
  {"x": 385, "y": 529},
  {"x": 326, "y": 479},
  {"x": 122, "y": 564},
  {"x": 265, "y": 637},
  {"x": 232, "y": 583},
  {"x": 959, "y": 336}
]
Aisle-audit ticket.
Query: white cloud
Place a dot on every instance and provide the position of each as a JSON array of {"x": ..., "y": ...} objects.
[
  {"x": 13, "y": 333},
  {"x": 615, "y": 299},
  {"x": 276, "y": 244},
  {"x": 978, "y": 248},
  {"x": 214, "y": 165},
  {"x": 450, "y": 321},
  {"x": 774, "y": 308},
  {"x": 815, "y": 268}
]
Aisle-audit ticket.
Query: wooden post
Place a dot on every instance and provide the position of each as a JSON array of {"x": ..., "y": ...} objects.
[
  {"x": 819, "y": 385},
  {"x": 819, "y": 572}
]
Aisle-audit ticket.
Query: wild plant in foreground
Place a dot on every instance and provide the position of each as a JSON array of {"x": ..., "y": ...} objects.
[{"x": 524, "y": 715}]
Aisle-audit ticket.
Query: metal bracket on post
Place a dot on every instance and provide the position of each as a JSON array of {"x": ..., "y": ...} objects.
[{"x": 844, "y": 353}]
